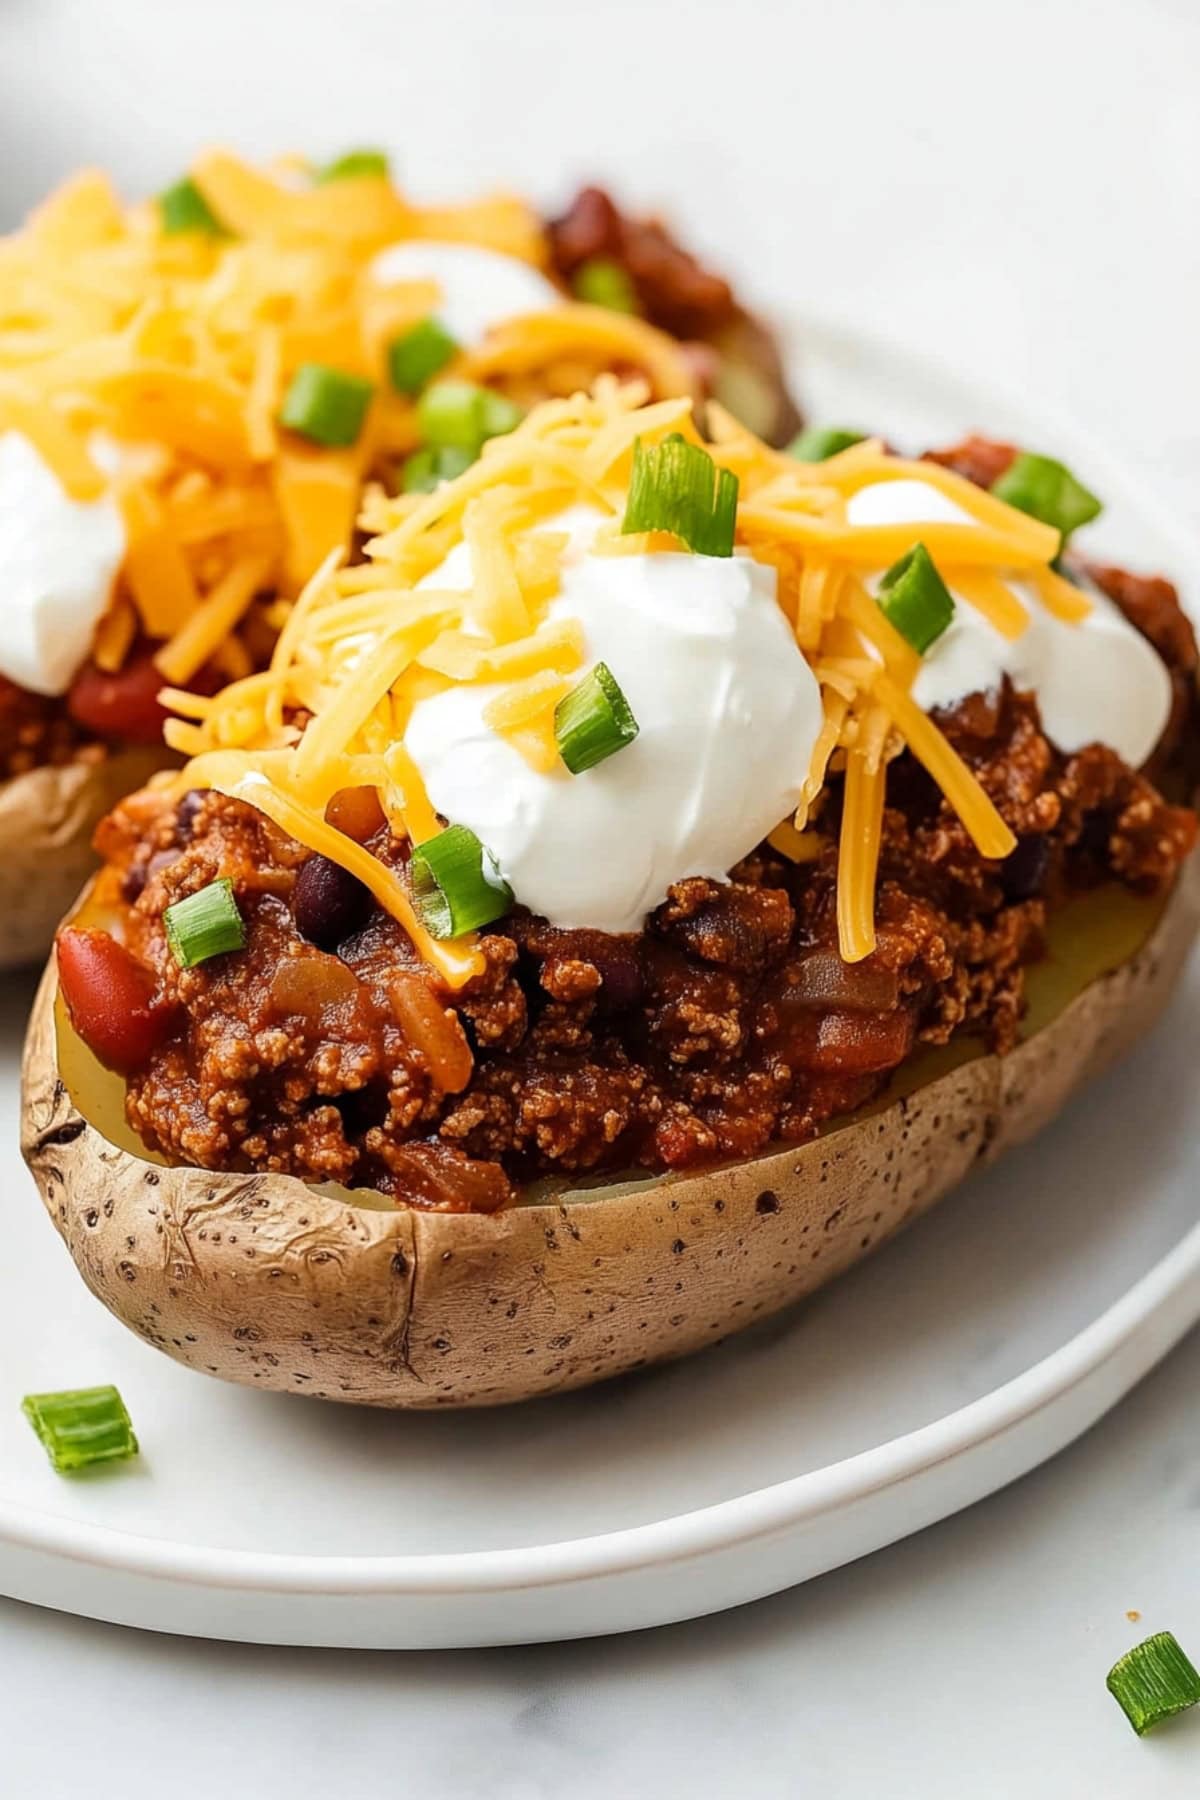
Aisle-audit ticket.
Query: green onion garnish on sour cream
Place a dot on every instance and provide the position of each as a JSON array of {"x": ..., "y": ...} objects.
[
  {"x": 675, "y": 486},
  {"x": 593, "y": 721},
  {"x": 913, "y": 597},
  {"x": 455, "y": 886}
]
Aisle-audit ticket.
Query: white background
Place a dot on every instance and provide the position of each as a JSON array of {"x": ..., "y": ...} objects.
[{"x": 1016, "y": 187}]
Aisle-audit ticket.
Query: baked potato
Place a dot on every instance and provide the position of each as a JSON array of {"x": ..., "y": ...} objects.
[
  {"x": 196, "y": 392},
  {"x": 47, "y": 820},
  {"x": 619, "y": 914},
  {"x": 264, "y": 1280}
]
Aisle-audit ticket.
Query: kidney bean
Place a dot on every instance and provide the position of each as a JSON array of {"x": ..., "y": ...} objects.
[
  {"x": 121, "y": 705},
  {"x": 110, "y": 999},
  {"x": 330, "y": 904}
]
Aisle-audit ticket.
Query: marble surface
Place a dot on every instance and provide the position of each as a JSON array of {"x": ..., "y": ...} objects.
[
  {"x": 1015, "y": 188},
  {"x": 968, "y": 1661}
]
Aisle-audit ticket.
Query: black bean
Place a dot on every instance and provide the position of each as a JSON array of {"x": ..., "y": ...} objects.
[
  {"x": 329, "y": 902},
  {"x": 1023, "y": 874},
  {"x": 185, "y": 814},
  {"x": 133, "y": 883}
]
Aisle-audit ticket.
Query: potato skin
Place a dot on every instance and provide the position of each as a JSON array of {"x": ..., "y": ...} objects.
[
  {"x": 262, "y": 1280},
  {"x": 46, "y": 823}
]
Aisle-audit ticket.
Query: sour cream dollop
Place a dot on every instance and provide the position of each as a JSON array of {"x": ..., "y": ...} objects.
[
  {"x": 480, "y": 288},
  {"x": 59, "y": 558},
  {"x": 728, "y": 712},
  {"x": 1098, "y": 681}
]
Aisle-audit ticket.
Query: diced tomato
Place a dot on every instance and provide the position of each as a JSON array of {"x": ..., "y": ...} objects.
[
  {"x": 110, "y": 997},
  {"x": 122, "y": 705}
]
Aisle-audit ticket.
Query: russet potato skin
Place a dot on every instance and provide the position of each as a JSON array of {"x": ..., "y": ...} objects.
[
  {"x": 46, "y": 823},
  {"x": 262, "y": 1280}
]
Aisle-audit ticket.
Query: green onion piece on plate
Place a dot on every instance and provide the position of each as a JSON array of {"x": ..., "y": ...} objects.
[
  {"x": 183, "y": 208},
  {"x": 1153, "y": 1681},
  {"x": 915, "y": 599},
  {"x": 676, "y": 487},
  {"x": 455, "y": 885},
  {"x": 1047, "y": 490},
  {"x": 819, "y": 442},
  {"x": 81, "y": 1426},
  {"x": 426, "y": 469},
  {"x": 461, "y": 415},
  {"x": 326, "y": 405},
  {"x": 593, "y": 721},
  {"x": 417, "y": 356},
  {"x": 355, "y": 164},
  {"x": 602, "y": 282},
  {"x": 205, "y": 924}
]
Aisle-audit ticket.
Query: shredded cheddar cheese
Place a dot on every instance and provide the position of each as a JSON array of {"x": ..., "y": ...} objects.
[
  {"x": 364, "y": 644},
  {"x": 174, "y": 352}
]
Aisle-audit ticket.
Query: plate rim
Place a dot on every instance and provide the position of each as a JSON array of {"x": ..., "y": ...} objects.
[{"x": 796, "y": 1501}]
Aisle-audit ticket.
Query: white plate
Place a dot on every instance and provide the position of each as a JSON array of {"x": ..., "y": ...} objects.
[{"x": 965, "y": 1353}]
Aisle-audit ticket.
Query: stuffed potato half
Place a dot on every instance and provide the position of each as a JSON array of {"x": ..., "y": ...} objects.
[
  {"x": 264, "y": 1280},
  {"x": 539, "y": 974}
]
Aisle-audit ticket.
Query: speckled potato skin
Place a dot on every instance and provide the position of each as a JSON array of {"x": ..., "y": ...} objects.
[
  {"x": 259, "y": 1279},
  {"x": 46, "y": 823}
]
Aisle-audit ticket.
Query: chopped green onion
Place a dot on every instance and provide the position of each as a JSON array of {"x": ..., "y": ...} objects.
[
  {"x": 355, "y": 163},
  {"x": 676, "y": 487},
  {"x": 416, "y": 357},
  {"x": 500, "y": 414},
  {"x": 426, "y": 469},
  {"x": 915, "y": 599},
  {"x": 326, "y": 405},
  {"x": 1153, "y": 1681},
  {"x": 451, "y": 884},
  {"x": 81, "y": 1426},
  {"x": 602, "y": 282},
  {"x": 462, "y": 415},
  {"x": 593, "y": 721},
  {"x": 205, "y": 924},
  {"x": 819, "y": 442},
  {"x": 183, "y": 208},
  {"x": 1048, "y": 491}
]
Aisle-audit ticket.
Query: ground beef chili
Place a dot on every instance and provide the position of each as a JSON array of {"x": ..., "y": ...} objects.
[
  {"x": 728, "y": 1023},
  {"x": 98, "y": 710},
  {"x": 36, "y": 732},
  {"x": 673, "y": 289},
  {"x": 325, "y": 1050},
  {"x": 723, "y": 342}
]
